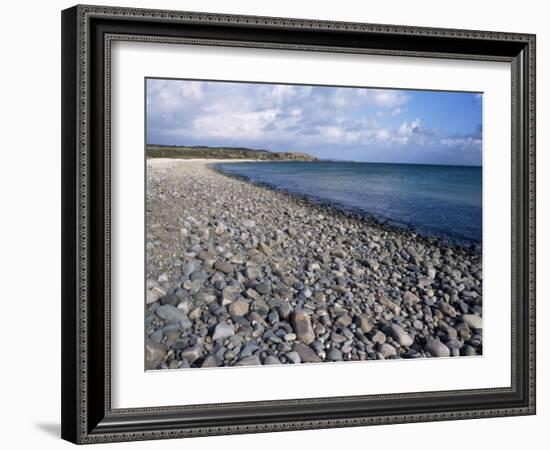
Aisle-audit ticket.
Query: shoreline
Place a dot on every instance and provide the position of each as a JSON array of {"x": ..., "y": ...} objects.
[
  {"x": 369, "y": 219},
  {"x": 243, "y": 274}
]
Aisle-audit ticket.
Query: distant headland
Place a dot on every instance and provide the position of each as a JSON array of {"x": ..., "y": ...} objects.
[{"x": 204, "y": 152}]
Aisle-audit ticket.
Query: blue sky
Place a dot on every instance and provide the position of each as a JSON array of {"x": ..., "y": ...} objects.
[{"x": 360, "y": 124}]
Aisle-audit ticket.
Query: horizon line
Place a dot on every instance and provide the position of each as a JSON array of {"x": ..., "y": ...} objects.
[{"x": 320, "y": 159}]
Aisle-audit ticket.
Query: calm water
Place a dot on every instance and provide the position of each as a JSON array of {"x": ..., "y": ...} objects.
[{"x": 443, "y": 201}]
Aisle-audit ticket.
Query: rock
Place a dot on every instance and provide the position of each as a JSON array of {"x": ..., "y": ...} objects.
[
  {"x": 363, "y": 322},
  {"x": 191, "y": 354},
  {"x": 334, "y": 355},
  {"x": 302, "y": 327},
  {"x": 260, "y": 306},
  {"x": 210, "y": 361},
  {"x": 473, "y": 321},
  {"x": 423, "y": 282},
  {"x": 468, "y": 350},
  {"x": 223, "y": 330},
  {"x": 378, "y": 337},
  {"x": 170, "y": 299},
  {"x": 410, "y": 299},
  {"x": 447, "y": 309},
  {"x": 293, "y": 357},
  {"x": 374, "y": 266},
  {"x": 307, "y": 355},
  {"x": 252, "y": 273},
  {"x": 271, "y": 360},
  {"x": 289, "y": 337},
  {"x": 188, "y": 268},
  {"x": 247, "y": 223},
  {"x": 264, "y": 248},
  {"x": 264, "y": 288},
  {"x": 170, "y": 313},
  {"x": 249, "y": 361},
  {"x": 437, "y": 348},
  {"x": 393, "y": 307},
  {"x": 344, "y": 321},
  {"x": 238, "y": 308},
  {"x": 285, "y": 311},
  {"x": 155, "y": 294},
  {"x": 386, "y": 350},
  {"x": 198, "y": 275},
  {"x": 400, "y": 335},
  {"x": 195, "y": 314},
  {"x": 230, "y": 294},
  {"x": 154, "y": 354},
  {"x": 224, "y": 267},
  {"x": 339, "y": 253}
]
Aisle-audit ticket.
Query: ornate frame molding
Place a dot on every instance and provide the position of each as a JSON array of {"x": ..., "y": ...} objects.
[{"x": 80, "y": 423}]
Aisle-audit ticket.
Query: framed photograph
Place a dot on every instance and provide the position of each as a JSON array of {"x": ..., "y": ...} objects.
[{"x": 280, "y": 224}]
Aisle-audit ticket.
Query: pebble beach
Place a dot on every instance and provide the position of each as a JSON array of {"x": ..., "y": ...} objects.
[{"x": 239, "y": 274}]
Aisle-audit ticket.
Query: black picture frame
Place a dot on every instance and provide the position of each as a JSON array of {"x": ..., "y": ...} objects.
[{"x": 87, "y": 32}]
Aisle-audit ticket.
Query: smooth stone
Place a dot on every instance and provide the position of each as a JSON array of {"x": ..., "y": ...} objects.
[
  {"x": 307, "y": 355},
  {"x": 302, "y": 327},
  {"x": 437, "y": 348},
  {"x": 344, "y": 320},
  {"x": 264, "y": 288},
  {"x": 247, "y": 223},
  {"x": 373, "y": 265},
  {"x": 230, "y": 294},
  {"x": 249, "y": 349},
  {"x": 293, "y": 357},
  {"x": 473, "y": 321},
  {"x": 224, "y": 267},
  {"x": 447, "y": 309},
  {"x": 191, "y": 354},
  {"x": 424, "y": 282},
  {"x": 265, "y": 249},
  {"x": 155, "y": 294},
  {"x": 289, "y": 337},
  {"x": 238, "y": 308},
  {"x": 386, "y": 350},
  {"x": 223, "y": 330},
  {"x": 252, "y": 273},
  {"x": 364, "y": 323},
  {"x": 154, "y": 354},
  {"x": 379, "y": 337},
  {"x": 249, "y": 361},
  {"x": 410, "y": 299},
  {"x": 468, "y": 350},
  {"x": 285, "y": 311},
  {"x": 400, "y": 335},
  {"x": 188, "y": 268},
  {"x": 210, "y": 361},
  {"x": 261, "y": 307},
  {"x": 334, "y": 355},
  {"x": 271, "y": 360},
  {"x": 170, "y": 313},
  {"x": 170, "y": 299}
]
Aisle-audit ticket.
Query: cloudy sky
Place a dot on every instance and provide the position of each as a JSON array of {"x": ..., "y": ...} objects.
[{"x": 361, "y": 124}]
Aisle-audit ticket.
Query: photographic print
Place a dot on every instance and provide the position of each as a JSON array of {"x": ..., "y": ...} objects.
[{"x": 295, "y": 224}]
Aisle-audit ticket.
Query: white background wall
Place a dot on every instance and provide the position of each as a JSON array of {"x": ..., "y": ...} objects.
[{"x": 30, "y": 222}]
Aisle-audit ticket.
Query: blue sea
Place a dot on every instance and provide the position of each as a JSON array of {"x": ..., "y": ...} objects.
[{"x": 440, "y": 201}]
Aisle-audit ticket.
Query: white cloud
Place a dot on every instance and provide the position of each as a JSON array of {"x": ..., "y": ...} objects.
[
  {"x": 388, "y": 98},
  {"x": 383, "y": 135}
]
